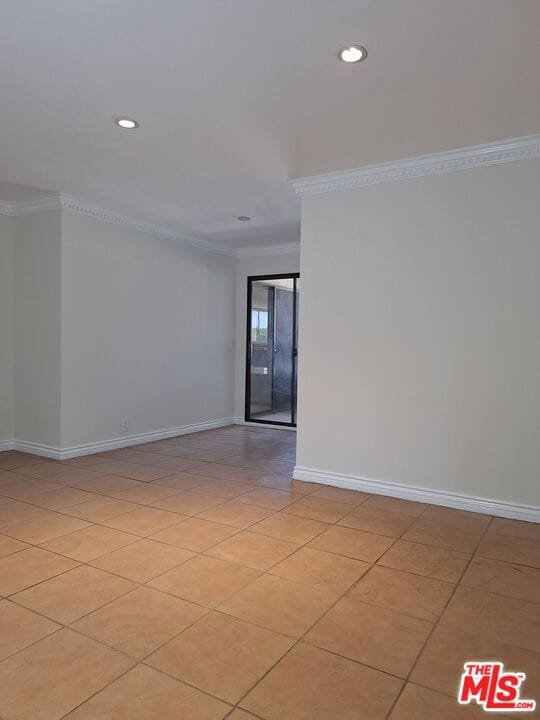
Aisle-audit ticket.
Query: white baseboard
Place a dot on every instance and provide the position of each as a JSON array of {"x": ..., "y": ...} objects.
[
  {"x": 47, "y": 451},
  {"x": 487, "y": 506},
  {"x": 6, "y": 445},
  {"x": 90, "y": 448}
]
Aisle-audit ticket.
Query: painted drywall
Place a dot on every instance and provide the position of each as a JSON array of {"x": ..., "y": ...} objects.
[
  {"x": 6, "y": 328},
  {"x": 420, "y": 361},
  {"x": 147, "y": 332},
  {"x": 37, "y": 327},
  {"x": 246, "y": 266},
  {"x": 100, "y": 323}
]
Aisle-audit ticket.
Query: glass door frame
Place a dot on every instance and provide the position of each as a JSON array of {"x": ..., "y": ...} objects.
[{"x": 247, "y": 409}]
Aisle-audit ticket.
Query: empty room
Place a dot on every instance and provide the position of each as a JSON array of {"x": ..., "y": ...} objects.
[{"x": 269, "y": 359}]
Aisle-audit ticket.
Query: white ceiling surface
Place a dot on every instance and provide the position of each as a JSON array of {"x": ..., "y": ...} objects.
[{"x": 236, "y": 97}]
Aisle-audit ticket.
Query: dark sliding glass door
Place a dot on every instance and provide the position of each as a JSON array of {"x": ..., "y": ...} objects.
[{"x": 272, "y": 349}]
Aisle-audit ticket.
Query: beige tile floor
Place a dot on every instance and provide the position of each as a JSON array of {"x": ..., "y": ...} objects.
[{"x": 193, "y": 578}]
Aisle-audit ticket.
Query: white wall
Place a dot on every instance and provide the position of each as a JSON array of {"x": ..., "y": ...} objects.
[
  {"x": 246, "y": 266},
  {"x": 420, "y": 333},
  {"x": 37, "y": 327},
  {"x": 6, "y": 328},
  {"x": 100, "y": 323},
  {"x": 147, "y": 332}
]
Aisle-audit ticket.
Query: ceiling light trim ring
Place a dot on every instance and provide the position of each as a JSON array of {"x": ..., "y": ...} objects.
[
  {"x": 359, "y": 54},
  {"x": 126, "y": 123}
]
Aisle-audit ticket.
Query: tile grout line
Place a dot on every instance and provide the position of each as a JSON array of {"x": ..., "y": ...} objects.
[
  {"x": 300, "y": 639},
  {"x": 209, "y": 610},
  {"x": 135, "y": 664},
  {"x": 249, "y": 528},
  {"x": 436, "y": 624},
  {"x": 139, "y": 585}
]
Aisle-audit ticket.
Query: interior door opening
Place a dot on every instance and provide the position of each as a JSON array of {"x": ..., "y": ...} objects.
[{"x": 272, "y": 349}]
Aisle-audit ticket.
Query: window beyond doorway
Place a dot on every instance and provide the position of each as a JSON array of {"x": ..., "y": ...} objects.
[{"x": 272, "y": 349}]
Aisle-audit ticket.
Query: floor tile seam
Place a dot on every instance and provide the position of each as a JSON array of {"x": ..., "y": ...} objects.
[
  {"x": 80, "y": 486},
  {"x": 34, "y": 642},
  {"x": 448, "y": 695},
  {"x": 117, "y": 677},
  {"x": 89, "y": 525},
  {"x": 393, "y": 610},
  {"x": 136, "y": 583},
  {"x": 250, "y": 567},
  {"x": 487, "y": 557},
  {"x": 200, "y": 604},
  {"x": 102, "y": 523},
  {"x": 437, "y": 624},
  {"x": 413, "y": 572},
  {"x": 396, "y": 700},
  {"x": 250, "y": 529},
  {"x": 186, "y": 682},
  {"x": 235, "y": 498},
  {"x": 300, "y": 640},
  {"x": 33, "y": 585},
  {"x": 253, "y": 489},
  {"x": 392, "y": 537},
  {"x": 136, "y": 537},
  {"x": 94, "y": 567},
  {"x": 199, "y": 516},
  {"x": 60, "y": 486},
  {"x": 397, "y": 513},
  {"x": 504, "y": 535},
  {"x": 17, "y": 470},
  {"x": 336, "y": 523},
  {"x": 439, "y": 547},
  {"x": 461, "y": 584},
  {"x": 194, "y": 517},
  {"x": 136, "y": 661},
  {"x": 129, "y": 669},
  {"x": 304, "y": 544},
  {"x": 69, "y": 625},
  {"x": 28, "y": 545},
  {"x": 84, "y": 562},
  {"x": 64, "y": 513},
  {"x": 273, "y": 487},
  {"x": 349, "y": 557},
  {"x": 395, "y": 541}
]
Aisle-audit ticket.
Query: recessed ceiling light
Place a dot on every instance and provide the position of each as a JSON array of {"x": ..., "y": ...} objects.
[
  {"x": 126, "y": 123},
  {"x": 243, "y": 218},
  {"x": 352, "y": 54}
]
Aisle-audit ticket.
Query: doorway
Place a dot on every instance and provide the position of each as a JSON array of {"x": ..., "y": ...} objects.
[{"x": 272, "y": 349}]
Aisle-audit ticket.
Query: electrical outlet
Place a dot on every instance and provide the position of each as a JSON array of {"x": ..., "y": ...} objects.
[{"x": 125, "y": 424}]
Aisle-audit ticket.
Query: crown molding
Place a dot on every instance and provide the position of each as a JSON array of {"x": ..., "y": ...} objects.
[
  {"x": 67, "y": 202},
  {"x": 284, "y": 249},
  {"x": 436, "y": 164},
  {"x": 61, "y": 201}
]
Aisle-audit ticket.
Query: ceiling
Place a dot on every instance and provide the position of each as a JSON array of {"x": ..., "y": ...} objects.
[{"x": 235, "y": 97}]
